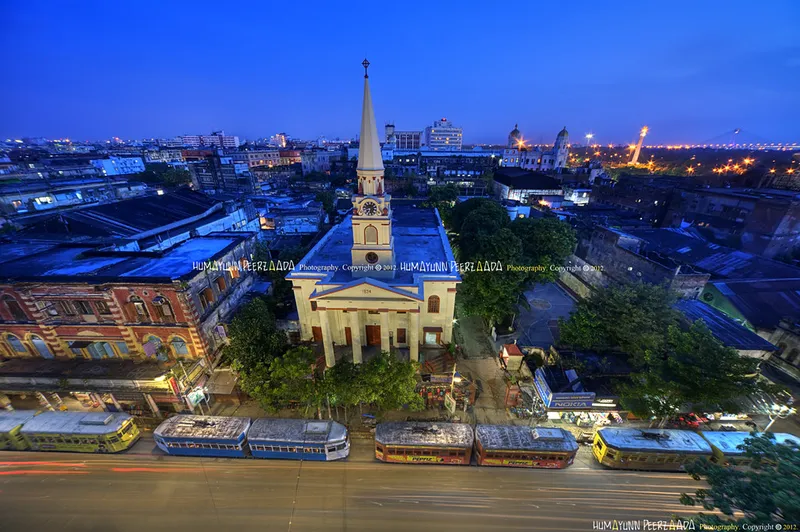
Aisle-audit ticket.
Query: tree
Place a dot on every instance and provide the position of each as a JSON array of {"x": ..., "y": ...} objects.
[
  {"x": 175, "y": 177},
  {"x": 546, "y": 242},
  {"x": 281, "y": 288},
  {"x": 490, "y": 209},
  {"x": 294, "y": 377},
  {"x": 254, "y": 337},
  {"x": 767, "y": 492},
  {"x": 695, "y": 369},
  {"x": 328, "y": 201},
  {"x": 389, "y": 383},
  {"x": 633, "y": 318}
]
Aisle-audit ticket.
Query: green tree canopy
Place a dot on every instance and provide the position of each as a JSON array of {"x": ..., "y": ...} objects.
[
  {"x": 490, "y": 209},
  {"x": 633, "y": 318},
  {"x": 254, "y": 337},
  {"x": 545, "y": 242},
  {"x": 767, "y": 492}
]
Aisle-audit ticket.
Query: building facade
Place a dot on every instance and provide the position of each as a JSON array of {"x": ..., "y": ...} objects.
[
  {"x": 254, "y": 159},
  {"x": 384, "y": 277},
  {"x": 518, "y": 155},
  {"x": 119, "y": 165},
  {"x": 443, "y": 136},
  {"x": 217, "y": 139}
]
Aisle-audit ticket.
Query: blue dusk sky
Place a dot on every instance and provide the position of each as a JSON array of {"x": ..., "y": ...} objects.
[{"x": 692, "y": 71}]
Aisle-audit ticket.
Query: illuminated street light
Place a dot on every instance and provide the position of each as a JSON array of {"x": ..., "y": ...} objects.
[{"x": 779, "y": 412}]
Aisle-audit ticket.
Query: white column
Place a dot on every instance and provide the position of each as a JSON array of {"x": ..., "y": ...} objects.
[
  {"x": 413, "y": 335},
  {"x": 447, "y": 332},
  {"x": 355, "y": 336},
  {"x": 385, "y": 331},
  {"x": 327, "y": 342}
]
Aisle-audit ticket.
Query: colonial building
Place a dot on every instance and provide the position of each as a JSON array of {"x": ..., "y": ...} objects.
[
  {"x": 518, "y": 155},
  {"x": 385, "y": 276}
]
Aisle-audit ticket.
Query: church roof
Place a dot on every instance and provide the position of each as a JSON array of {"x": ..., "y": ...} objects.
[
  {"x": 514, "y": 132},
  {"x": 563, "y": 132},
  {"x": 369, "y": 149}
]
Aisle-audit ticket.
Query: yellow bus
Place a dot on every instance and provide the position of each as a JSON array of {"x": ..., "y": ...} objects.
[
  {"x": 10, "y": 426},
  {"x": 80, "y": 432},
  {"x": 648, "y": 449}
]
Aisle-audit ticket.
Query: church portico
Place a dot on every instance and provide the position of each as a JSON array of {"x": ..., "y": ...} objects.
[{"x": 366, "y": 283}]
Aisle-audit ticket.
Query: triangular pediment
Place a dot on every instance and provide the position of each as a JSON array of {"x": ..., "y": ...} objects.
[{"x": 365, "y": 288}]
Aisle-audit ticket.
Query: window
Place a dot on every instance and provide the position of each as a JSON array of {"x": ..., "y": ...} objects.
[
  {"x": 139, "y": 309},
  {"x": 179, "y": 346},
  {"x": 17, "y": 314},
  {"x": 83, "y": 307},
  {"x": 433, "y": 304},
  {"x": 47, "y": 307},
  {"x": 100, "y": 350},
  {"x": 102, "y": 308},
  {"x": 401, "y": 336},
  {"x": 163, "y": 309},
  {"x": 16, "y": 344},
  {"x": 313, "y": 305},
  {"x": 41, "y": 347},
  {"x": 206, "y": 298},
  {"x": 370, "y": 235},
  {"x": 221, "y": 284},
  {"x": 65, "y": 308},
  {"x": 122, "y": 347}
]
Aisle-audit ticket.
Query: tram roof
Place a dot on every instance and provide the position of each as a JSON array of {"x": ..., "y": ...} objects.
[
  {"x": 203, "y": 427},
  {"x": 423, "y": 433},
  {"x": 515, "y": 437},
  {"x": 75, "y": 423},
  {"x": 296, "y": 430},
  {"x": 9, "y": 420},
  {"x": 654, "y": 440},
  {"x": 728, "y": 442}
]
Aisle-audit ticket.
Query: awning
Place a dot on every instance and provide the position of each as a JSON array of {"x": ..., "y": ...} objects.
[{"x": 80, "y": 344}]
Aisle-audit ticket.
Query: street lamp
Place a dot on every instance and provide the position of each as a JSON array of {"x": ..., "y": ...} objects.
[{"x": 779, "y": 412}]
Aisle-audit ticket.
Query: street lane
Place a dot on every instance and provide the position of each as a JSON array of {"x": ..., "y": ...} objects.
[{"x": 55, "y": 491}]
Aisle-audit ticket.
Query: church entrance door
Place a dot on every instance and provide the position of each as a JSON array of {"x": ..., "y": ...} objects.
[
  {"x": 348, "y": 336},
  {"x": 373, "y": 335}
]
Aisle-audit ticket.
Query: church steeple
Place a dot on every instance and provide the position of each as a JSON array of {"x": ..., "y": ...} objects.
[{"x": 372, "y": 212}]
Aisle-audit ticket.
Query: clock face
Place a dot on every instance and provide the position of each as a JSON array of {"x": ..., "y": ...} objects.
[
  {"x": 370, "y": 208},
  {"x": 372, "y": 257}
]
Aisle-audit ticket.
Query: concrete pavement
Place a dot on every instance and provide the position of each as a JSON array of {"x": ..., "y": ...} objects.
[{"x": 65, "y": 492}]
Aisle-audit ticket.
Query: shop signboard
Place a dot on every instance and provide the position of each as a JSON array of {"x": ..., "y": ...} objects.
[
  {"x": 450, "y": 403},
  {"x": 195, "y": 396},
  {"x": 561, "y": 401}
]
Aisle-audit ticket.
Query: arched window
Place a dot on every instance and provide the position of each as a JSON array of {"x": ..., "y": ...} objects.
[
  {"x": 41, "y": 347},
  {"x": 14, "y": 309},
  {"x": 221, "y": 284},
  {"x": 139, "y": 309},
  {"x": 163, "y": 308},
  {"x": 100, "y": 350},
  {"x": 433, "y": 304},
  {"x": 370, "y": 235},
  {"x": 153, "y": 346},
  {"x": 179, "y": 347},
  {"x": 16, "y": 345}
]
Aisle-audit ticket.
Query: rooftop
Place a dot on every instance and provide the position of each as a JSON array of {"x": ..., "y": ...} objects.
[
  {"x": 728, "y": 442},
  {"x": 493, "y": 437},
  {"x": 422, "y": 433},
  {"x": 9, "y": 420},
  {"x": 296, "y": 430},
  {"x": 654, "y": 440},
  {"x": 723, "y": 328},
  {"x": 518, "y": 178},
  {"x": 80, "y": 369},
  {"x": 418, "y": 235},
  {"x": 83, "y": 263},
  {"x": 203, "y": 427},
  {"x": 75, "y": 423},
  {"x": 763, "y": 302}
]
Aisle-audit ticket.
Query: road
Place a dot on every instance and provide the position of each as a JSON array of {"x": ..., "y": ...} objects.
[{"x": 148, "y": 492}]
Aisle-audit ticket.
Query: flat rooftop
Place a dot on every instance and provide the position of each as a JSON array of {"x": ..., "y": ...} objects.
[
  {"x": 296, "y": 431},
  {"x": 203, "y": 427},
  {"x": 75, "y": 423},
  {"x": 419, "y": 238},
  {"x": 84, "y": 263},
  {"x": 729, "y": 442},
  {"x": 11, "y": 419},
  {"x": 425, "y": 434},
  {"x": 723, "y": 328},
  {"x": 514, "y": 437},
  {"x": 647, "y": 440}
]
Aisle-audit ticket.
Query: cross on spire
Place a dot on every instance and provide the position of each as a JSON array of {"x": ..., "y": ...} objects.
[{"x": 365, "y": 63}]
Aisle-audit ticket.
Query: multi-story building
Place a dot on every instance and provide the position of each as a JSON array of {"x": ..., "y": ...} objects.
[
  {"x": 71, "y": 303},
  {"x": 319, "y": 160},
  {"x": 278, "y": 140},
  {"x": 221, "y": 173},
  {"x": 647, "y": 197},
  {"x": 519, "y": 155},
  {"x": 443, "y": 136},
  {"x": 119, "y": 165},
  {"x": 258, "y": 158},
  {"x": 164, "y": 155},
  {"x": 528, "y": 187},
  {"x": 45, "y": 194},
  {"x": 402, "y": 140},
  {"x": 289, "y": 157},
  {"x": 217, "y": 139}
]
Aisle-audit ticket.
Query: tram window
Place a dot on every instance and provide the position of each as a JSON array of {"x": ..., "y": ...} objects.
[
  {"x": 600, "y": 446},
  {"x": 379, "y": 447}
]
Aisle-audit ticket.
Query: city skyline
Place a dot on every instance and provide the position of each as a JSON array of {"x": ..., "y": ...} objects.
[{"x": 148, "y": 74}]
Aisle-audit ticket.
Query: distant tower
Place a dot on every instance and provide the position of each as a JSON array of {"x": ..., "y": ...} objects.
[
  {"x": 561, "y": 149},
  {"x": 389, "y": 132},
  {"x": 642, "y": 135},
  {"x": 514, "y": 137}
]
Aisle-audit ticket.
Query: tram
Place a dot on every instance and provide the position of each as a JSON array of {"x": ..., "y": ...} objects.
[
  {"x": 421, "y": 442},
  {"x": 649, "y": 449},
  {"x": 521, "y": 446}
]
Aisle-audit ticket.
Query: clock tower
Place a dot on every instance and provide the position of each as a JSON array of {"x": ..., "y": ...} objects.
[{"x": 373, "y": 245}]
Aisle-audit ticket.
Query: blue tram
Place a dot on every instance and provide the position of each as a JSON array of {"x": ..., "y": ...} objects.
[
  {"x": 188, "y": 435},
  {"x": 239, "y": 437},
  {"x": 298, "y": 439}
]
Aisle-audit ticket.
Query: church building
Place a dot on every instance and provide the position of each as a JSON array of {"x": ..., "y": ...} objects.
[
  {"x": 519, "y": 155},
  {"x": 385, "y": 276}
]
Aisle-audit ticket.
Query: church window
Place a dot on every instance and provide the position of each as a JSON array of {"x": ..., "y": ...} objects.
[
  {"x": 433, "y": 304},
  {"x": 370, "y": 235},
  {"x": 313, "y": 305}
]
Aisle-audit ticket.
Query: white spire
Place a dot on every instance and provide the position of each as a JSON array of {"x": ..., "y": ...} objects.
[{"x": 369, "y": 149}]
